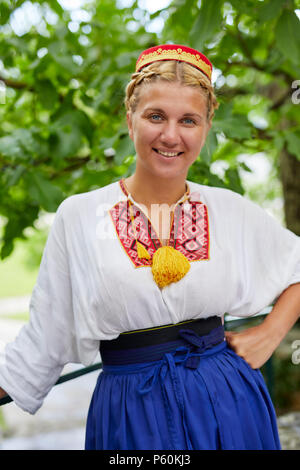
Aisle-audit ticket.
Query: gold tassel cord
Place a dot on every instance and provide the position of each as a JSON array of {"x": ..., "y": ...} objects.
[
  {"x": 141, "y": 251},
  {"x": 169, "y": 265}
]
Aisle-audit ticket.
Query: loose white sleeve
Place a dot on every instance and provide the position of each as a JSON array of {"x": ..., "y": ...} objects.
[
  {"x": 32, "y": 363},
  {"x": 269, "y": 259}
]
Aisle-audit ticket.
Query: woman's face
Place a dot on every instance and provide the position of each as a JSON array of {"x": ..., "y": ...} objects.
[{"x": 168, "y": 128}]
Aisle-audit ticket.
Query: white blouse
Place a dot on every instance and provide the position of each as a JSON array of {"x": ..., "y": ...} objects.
[{"x": 92, "y": 286}]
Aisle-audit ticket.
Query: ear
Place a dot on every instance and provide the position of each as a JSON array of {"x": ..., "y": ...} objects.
[{"x": 129, "y": 124}]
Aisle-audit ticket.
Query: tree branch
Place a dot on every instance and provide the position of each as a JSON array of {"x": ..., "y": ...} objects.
[
  {"x": 79, "y": 163},
  {"x": 22, "y": 86},
  {"x": 280, "y": 102},
  {"x": 16, "y": 85}
]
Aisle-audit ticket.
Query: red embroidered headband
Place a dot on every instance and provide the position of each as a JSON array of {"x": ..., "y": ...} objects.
[{"x": 175, "y": 52}]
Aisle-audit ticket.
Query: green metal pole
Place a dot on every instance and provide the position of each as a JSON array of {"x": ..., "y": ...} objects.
[{"x": 269, "y": 369}]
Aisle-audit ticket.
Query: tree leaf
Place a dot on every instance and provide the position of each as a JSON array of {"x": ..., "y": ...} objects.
[
  {"x": 124, "y": 148},
  {"x": 13, "y": 175},
  {"x": 245, "y": 167},
  {"x": 11, "y": 148},
  {"x": 24, "y": 216},
  {"x": 293, "y": 143},
  {"x": 207, "y": 22},
  {"x": 270, "y": 10},
  {"x": 4, "y": 13},
  {"x": 234, "y": 180},
  {"x": 209, "y": 147},
  {"x": 46, "y": 93},
  {"x": 60, "y": 53},
  {"x": 287, "y": 36},
  {"x": 234, "y": 126},
  {"x": 68, "y": 131},
  {"x": 42, "y": 191}
]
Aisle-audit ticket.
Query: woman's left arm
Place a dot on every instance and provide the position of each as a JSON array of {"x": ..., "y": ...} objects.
[{"x": 257, "y": 344}]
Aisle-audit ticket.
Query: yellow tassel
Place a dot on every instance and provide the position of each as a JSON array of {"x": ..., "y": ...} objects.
[
  {"x": 169, "y": 265},
  {"x": 141, "y": 251}
]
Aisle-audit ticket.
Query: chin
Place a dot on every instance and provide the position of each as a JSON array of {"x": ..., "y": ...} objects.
[{"x": 165, "y": 174}]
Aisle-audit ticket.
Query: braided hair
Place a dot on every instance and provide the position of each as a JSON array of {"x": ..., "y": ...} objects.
[{"x": 171, "y": 71}]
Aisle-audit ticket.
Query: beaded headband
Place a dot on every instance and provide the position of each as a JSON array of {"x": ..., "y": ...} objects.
[{"x": 175, "y": 52}]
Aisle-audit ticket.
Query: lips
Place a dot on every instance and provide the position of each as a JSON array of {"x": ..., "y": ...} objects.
[{"x": 167, "y": 154}]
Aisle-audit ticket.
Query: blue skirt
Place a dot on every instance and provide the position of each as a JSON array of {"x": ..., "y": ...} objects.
[{"x": 205, "y": 400}]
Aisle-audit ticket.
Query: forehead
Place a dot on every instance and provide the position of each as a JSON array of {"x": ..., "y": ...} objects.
[{"x": 171, "y": 96}]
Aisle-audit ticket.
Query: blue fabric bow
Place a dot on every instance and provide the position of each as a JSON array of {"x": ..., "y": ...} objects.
[{"x": 190, "y": 356}]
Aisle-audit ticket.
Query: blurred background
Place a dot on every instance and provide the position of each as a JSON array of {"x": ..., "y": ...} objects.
[{"x": 64, "y": 66}]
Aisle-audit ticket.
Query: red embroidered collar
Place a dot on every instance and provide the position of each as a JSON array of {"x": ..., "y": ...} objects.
[{"x": 189, "y": 232}]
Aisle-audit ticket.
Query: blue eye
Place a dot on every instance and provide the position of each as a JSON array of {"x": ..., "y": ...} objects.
[
  {"x": 191, "y": 121},
  {"x": 155, "y": 117}
]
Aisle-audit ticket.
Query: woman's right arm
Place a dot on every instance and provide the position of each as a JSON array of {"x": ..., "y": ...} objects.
[
  {"x": 2, "y": 393},
  {"x": 32, "y": 363}
]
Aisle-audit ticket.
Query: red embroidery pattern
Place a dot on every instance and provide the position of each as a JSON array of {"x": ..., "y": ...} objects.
[
  {"x": 189, "y": 231},
  {"x": 120, "y": 216},
  {"x": 192, "y": 231}
]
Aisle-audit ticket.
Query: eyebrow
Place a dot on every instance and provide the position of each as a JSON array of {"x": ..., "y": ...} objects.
[
  {"x": 159, "y": 110},
  {"x": 193, "y": 114}
]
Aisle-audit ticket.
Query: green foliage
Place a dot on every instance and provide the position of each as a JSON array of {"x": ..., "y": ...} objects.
[
  {"x": 64, "y": 88},
  {"x": 19, "y": 271},
  {"x": 286, "y": 383},
  {"x": 287, "y": 34},
  {"x": 293, "y": 142},
  {"x": 207, "y": 23}
]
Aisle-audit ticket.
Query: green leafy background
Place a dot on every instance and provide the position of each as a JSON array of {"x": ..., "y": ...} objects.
[{"x": 63, "y": 80}]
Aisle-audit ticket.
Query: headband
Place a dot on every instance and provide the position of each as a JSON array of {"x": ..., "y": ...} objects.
[{"x": 175, "y": 52}]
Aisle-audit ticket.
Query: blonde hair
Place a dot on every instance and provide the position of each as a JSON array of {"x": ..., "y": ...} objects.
[{"x": 171, "y": 71}]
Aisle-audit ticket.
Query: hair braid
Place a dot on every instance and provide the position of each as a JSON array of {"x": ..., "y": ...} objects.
[{"x": 172, "y": 71}]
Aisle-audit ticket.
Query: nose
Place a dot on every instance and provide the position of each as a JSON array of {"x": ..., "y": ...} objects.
[{"x": 170, "y": 135}]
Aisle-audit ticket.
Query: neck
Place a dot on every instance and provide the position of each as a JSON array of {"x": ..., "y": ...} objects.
[{"x": 155, "y": 191}]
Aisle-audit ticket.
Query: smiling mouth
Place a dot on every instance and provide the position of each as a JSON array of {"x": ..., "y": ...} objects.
[{"x": 168, "y": 154}]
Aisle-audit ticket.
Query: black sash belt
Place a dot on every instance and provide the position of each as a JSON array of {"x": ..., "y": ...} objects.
[{"x": 152, "y": 343}]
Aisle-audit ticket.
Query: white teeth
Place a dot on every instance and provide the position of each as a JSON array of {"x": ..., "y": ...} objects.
[{"x": 167, "y": 154}]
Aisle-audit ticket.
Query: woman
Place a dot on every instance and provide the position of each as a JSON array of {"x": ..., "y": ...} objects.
[{"x": 146, "y": 267}]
